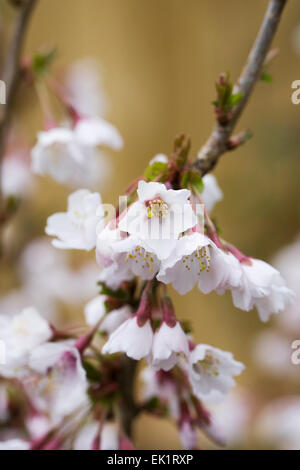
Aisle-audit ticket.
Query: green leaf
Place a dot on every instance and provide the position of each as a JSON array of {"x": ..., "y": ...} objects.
[
  {"x": 12, "y": 204},
  {"x": 185, "y": 179},
  {"x": 266, "y": 77},
  {"x": 197, "y": 182},
  {"x": 192, "y": 178},
  {"x": 115, "y": 294},
  {"x": 154, "y": 404},
  {"x": 186, "y": 326},
  {"x": 42, "y": 61},
  {"x": 93, "y": 374},
  {"x": 154, "y": 170},
  {"x": 235, "y": 98},
  {"x": 156, "y": 322}
]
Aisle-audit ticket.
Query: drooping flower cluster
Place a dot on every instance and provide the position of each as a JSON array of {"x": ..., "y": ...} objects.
[
  {"x": 163, "y": 237},
  {"x": 159, "y": 237}
]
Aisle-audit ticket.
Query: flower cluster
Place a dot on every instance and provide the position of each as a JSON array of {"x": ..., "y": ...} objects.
[{"x": 163, "y": 236}]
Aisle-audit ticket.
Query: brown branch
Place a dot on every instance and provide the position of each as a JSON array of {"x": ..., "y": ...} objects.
[
  {"x": 128, "y": 407},
  {"x": 217, "y": 143},
  {"x": 11, "y": 69}
]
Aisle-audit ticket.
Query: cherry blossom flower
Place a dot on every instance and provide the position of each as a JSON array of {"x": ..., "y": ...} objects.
[
  {"x": 262, "y": 287},
  {"x": 224, "y": 273},
  {"x": 168, "y": 343},
  {"x": 76, "y": 228},
  {"x": 131, "y": 339},
  {"x": 211, "y": 371},
  {"x": 140, "y": 262},
  {"x": 169, "y": 340},
  {"x": 211, "y": 193},
  {"x": 187, "y": 262},
  {"x": 159, "y": 216},
  {"x": 124, "y": 258},
  {"x": 134, "y": 337},
  {"x": 196, "y": 259}
]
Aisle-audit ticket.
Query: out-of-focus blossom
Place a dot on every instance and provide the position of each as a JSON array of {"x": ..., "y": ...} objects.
[
  {"x": 81, "y": 283},
  {"x": 212, "y": 193},
  {"x": 84, "y": 87},
  {"x": 230, "y": 418},
  {"x": 49, "y": 282},
  {"x": 278, "y": 424},
  {"x": 16, "y": 178},
  {"x": 14, "y": 444},
  {"x": 287, "y": 262},
  {"x": 272, "y": 352},
  {"x": 21, "y": 334},
  {"x": 57, "y": 373},
  {"x": 76, "y": 228},
  {"x": 94, "y": 132},
  {"x": 59, "y": 154}
]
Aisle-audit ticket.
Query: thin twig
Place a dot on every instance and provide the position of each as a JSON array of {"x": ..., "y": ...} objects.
[
  {"x": 217, "y": 143},
  {"x": 11, "y": 69}
]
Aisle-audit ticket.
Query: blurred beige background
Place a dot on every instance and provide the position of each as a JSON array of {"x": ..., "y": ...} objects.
[{"x": 160, "y": 59}]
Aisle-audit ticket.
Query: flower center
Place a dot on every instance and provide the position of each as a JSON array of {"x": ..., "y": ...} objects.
[
  {"x": 208, "y": 366},
  {"x": 78, "y": 218},
  {"x": 199, "y": 260},
  {"x": 142, "y": 257},
  {"x": 157, "y": 208}
]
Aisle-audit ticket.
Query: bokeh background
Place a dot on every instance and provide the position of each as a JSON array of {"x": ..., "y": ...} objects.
[{"x": 159, "y": 62}]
